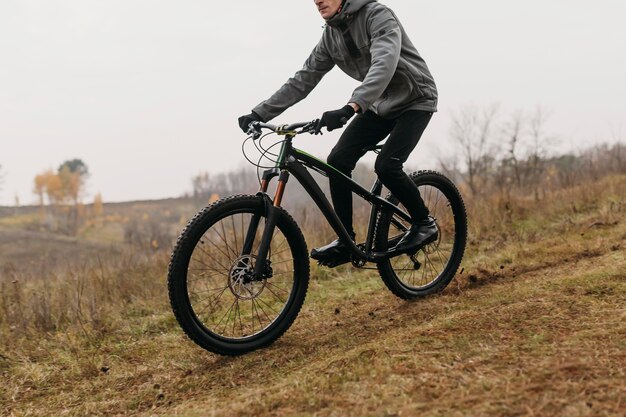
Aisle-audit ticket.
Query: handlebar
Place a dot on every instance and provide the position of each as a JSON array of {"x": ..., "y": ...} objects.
[{"x": 255, "y": 128}]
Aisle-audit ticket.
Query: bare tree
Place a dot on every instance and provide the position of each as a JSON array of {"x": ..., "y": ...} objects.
[
  {"x": 618, "y": 160},
  {"x": 1, "y": 178},
  {"x": 226, "y": 183},
  {"x": 201, "y": 184},
  {"x": 449, "y": 166},
  {"x": 539, "y": 146},
  {"x": 510, "y": 171},
  {"x": 472, "y": 129}
]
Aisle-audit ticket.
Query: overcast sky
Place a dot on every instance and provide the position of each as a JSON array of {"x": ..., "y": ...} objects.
[{"x": 147, "y": 92}]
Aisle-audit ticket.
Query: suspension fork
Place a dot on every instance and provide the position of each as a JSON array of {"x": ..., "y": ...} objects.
[
  {"x": 270, "y": 225},
  {"x": 254, "y": 222}
]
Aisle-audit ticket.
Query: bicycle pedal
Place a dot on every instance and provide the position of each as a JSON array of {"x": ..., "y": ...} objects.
[{"x": 333, "y": 263}]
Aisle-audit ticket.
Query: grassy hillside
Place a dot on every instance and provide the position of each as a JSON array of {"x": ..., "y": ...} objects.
[{"x": 533, "y": 325}]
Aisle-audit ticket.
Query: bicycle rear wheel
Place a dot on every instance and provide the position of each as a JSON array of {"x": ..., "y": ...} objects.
[
  {"x": 211, "y": 292},
  {"x": 432, "y": 267}
]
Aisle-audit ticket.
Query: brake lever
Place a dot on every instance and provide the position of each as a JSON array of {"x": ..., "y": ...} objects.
[
  {"x": 254, "y": 130},
  {"x": 310, "y": 128}
]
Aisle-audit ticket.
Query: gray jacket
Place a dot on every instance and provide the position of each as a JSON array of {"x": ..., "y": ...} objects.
[{"x": 394, "y": 76}]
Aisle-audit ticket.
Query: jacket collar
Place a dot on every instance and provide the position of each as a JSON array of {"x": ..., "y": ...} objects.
[{"x": 349, "y": 8}]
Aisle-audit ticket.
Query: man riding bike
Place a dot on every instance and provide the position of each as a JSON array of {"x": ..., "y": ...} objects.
[{"x": 397, "y": 97}]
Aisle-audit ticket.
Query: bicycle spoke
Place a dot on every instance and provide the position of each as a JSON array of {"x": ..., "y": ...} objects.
[
  {"x": 437, "y": 204},
  {"x": 240, "y": 323},
  {"x": 275, "y": 295},
  {"x": 202, "y": 277},
  {"x": 210, "y": 289},
  {"x": 256, "y": 310},
  {"x": 429, "y": 263},
  {"x": 232, "y": 220},
  {"x": 235, "y": 317},
  {"x": 405, "y": 264},
  {"x": 440, "y": 258},
  {"x": 252, "y": 316},
  {"x": 212, "y": 303},
  {"x": 282, "y": 251},
  {"x": 227, "y": 312},
  {"x": 210, "y": 256},
  {"x": 268, "y": 306},
  {"x": 280, "y": 245},
  {"x": 212, "y": 298},
  {"x": 208, "y": 268},
  {"x": 282, "y": 262},
  {"x": 260, "y": 307},
  {"x": 200, "y": 270},
  {"x": 278, "y": 288},
  {"x": 281, "y": 273},
  {"x": 423, "y": 271},
  {"x": 223, "y": 237},
  {"x": 214, "y": 245}
]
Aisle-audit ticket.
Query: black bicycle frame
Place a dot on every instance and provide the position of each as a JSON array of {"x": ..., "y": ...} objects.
[{"x": 294, "y": 161}]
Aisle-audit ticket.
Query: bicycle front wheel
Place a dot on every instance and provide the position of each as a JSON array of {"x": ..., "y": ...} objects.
[
  {"x": 432, "y": 267},
  {"x": 212, "y": 293}
]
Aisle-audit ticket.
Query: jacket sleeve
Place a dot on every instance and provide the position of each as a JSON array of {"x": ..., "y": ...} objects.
[
  {"x": 386, "y": 44},
  {"x": 299, "y": 86}
]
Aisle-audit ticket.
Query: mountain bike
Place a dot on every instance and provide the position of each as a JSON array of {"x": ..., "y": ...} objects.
[{"x": 239, "y": 272}]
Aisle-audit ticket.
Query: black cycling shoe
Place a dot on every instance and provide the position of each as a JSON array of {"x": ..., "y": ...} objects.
[
  {"x": 420, "y": 234},
  {"x": 334, "y": 249}
]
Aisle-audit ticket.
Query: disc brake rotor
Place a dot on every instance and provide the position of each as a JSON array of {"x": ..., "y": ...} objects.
[{"x": 239, "y": 279}]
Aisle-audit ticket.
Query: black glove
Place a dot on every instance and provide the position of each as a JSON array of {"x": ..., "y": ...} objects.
[
  {"x": 335, "y": 119},
  {"x": 244, "y": 121}
]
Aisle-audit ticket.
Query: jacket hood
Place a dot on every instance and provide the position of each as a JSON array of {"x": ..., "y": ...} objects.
[{"x": 350, "y": 7}]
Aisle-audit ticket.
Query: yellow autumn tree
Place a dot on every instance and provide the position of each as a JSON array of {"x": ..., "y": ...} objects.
[
  {"x": 1, "y": 178},
  {"x": 47, "y": 185},
  {"x": 63, "y": 190},
  {"x": 40, "y": 190},
  {"x": 98, "y": 206},
  {"x": 54, "y": 189}
]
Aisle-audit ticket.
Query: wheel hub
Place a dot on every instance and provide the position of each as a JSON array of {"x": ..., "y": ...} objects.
[{"x": 241, "y": 279}]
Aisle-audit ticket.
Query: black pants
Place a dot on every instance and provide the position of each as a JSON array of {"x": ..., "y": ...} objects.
[{"x": 367, "y": 130}]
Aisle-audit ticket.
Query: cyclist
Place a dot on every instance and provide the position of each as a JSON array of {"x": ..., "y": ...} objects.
[{"x": 397, "y": 97}]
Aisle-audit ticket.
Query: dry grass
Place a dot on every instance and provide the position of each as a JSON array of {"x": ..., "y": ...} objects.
[{"x": 534, "y": 325}]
